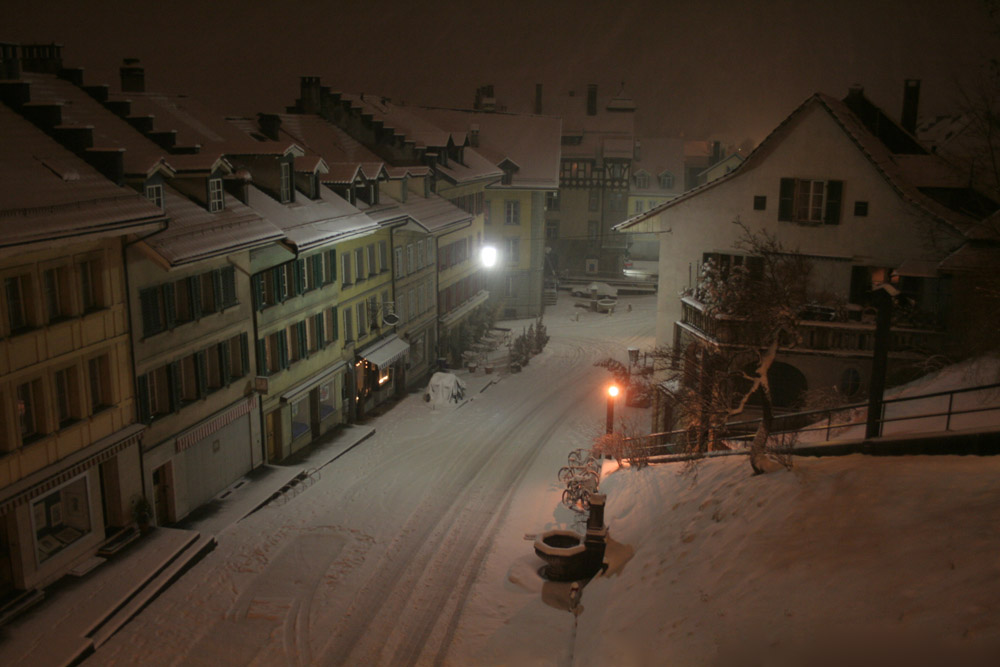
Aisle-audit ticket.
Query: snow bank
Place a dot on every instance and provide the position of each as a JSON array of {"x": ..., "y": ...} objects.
[
  {"x": 444, "y": 389},
  {"x": 846, "y": 560}
]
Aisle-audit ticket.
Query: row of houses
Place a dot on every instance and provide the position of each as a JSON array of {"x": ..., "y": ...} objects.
[
  {"x": 188, "y": 296},
  {"x": 854, "y": 190}
]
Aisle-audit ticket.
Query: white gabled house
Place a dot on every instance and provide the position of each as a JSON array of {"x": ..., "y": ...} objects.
[{"x": 842, "y": 183}]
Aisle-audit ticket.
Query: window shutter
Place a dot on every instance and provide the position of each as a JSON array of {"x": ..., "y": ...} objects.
[
  {"x": 258, "y": 291},
  {"x": 228, "y": 274},
  {"x": 317, "y": 271},
  {"x": 834, "y": 191},
  {"x": 244, "y": 353},
  {"x": 283, "y": 348},
  {"x": 194, "y": 296},
  {"x": 278, "y": 275},
  {"x": 336, "y": 324},
  {"x": 142, "y": 402},
  {"x": 175, "y": 386},
  {"x": 331, "y": 258},
  {"x": 217, "y": 289},
  {"x": 226, "y": 361},
  {"x": 149, "y": 300},
  {"x": 319, "y": 331},
  {"x": 786, "y": 199},
  {"x": 201, "y": 373},
  {"x": 301, "y": 331},
  {"x": 298, "y": 274},
  {"x": 262, "y": 357},
  {"x": 169, "y": 305}
]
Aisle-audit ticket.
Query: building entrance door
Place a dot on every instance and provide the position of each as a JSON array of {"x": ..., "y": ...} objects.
[
  {"x": 272, "y": 428},
  {"x": 163, "y": 493}
]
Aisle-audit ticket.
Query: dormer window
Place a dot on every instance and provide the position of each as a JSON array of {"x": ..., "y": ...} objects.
[
  {"x": 286, "y": 183},
  {"x": 216, "y": 202},
  {"x": 642, "y": 181},
  {"x": 154, "y": 193},
  {"x": 666, "y": 180}
]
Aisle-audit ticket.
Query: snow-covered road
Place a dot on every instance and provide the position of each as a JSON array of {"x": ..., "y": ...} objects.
[{"x": 401, "y": 553}]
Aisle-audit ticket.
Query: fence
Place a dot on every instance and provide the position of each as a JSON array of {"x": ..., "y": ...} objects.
[{"x": 941, "y": 411}]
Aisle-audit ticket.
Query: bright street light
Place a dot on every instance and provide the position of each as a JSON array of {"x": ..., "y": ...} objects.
[
  {"x": 612, "y": 393},
  {"x": 488, "y": 256}
]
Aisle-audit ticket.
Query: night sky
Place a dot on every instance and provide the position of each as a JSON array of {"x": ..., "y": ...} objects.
[{"x": 730, "y": 69}]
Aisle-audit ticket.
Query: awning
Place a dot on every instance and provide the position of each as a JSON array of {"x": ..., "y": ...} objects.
[
  {"x": 385, "y": 351},
  {"x": 313, "y": 381}
]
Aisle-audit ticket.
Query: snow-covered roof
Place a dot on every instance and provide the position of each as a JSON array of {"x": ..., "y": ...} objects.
[
  {"x": 307, "y": 222},
  {"x": 48, "y": 193},
  {"x": 434, "y": 213},
  {"x": 195, "y": 233}
]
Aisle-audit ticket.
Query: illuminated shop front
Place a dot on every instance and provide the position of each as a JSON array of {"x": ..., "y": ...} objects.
[{"x": 379, "y": 373}]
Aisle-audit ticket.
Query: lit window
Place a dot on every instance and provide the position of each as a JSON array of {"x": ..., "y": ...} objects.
[{"x": 154, "y": 193}]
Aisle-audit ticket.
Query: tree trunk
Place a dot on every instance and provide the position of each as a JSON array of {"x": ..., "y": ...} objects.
[{"x": 758, "y": 448}]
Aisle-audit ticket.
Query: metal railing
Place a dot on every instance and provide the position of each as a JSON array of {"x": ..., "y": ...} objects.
[{"x": 941, "y": 412}]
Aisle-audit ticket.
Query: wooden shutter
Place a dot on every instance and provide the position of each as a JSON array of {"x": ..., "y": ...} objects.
[
  {"x": 278, "y": 275},
  {"x": 298, "y": 276},
  {"x": 227, "y": 362},
  {"x": 320, "y": 342},
  {"x": 193, "y": 285},
  {"x": 228, "y": 275},
  {"x": 834, "y": 192},
  {"x": 217, "y": 290},
  {"x": 245, "y": 353},
  {"x": 786, "y": 200},
  {"x": 317, "y": 271},
  {"x": 262, "y": 357},
  {"x": 301, "y": 332},
  {"x": 336, "y": 324},
  {"x": 175, "y": 386},
  {"x": 283, "y": 348},
  {"x": 331, "y": 258}
]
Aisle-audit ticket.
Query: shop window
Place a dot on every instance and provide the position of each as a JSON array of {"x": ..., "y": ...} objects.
[
  {"x": 327, "y": 401},
  {"x": 61, "y": 518},
  {"x": 300, "y": 417}
]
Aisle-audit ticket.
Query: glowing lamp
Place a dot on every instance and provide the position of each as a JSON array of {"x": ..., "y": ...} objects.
[
  {"x": 488, "y": 256},
  {"x": 613, "y": 391}
]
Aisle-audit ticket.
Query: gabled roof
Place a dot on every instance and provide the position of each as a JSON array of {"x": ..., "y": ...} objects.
[
  {"x": 308, "y": 223},
  {"x": 195, "y": 234},
  {"x": 893, "y": 168},
  {"x": 434, "y": 213},
  {"x": 658, "y": 156},
  {"x": 47, "y": 193},
  {"x": 532, "y": 143}
]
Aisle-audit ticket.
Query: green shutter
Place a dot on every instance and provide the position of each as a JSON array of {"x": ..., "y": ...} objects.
[
  {"x": 298, "y": 276},
  {"x": 228, "y": 275},
  {"x": 262, "y": 357},
  {"x": 142, "y": 399},
  {"x": 175, "y": 386},
  {"x": 283, "y": 348},
  {"x": 168, "y": 304},
  {"x": 336, "y": 325},
  {"x": 317, "y": 266},
  {"x": 217, "y": 289},
  {"x": 150, "y": 303},
  {"x": 258, "y": 291},
  {"x": 301, "y": 330},
  {"x": 194, "y": 296},
  {"x": 245, "y": 353},
  {"x": 278, "y": 282},
  {"x": 331, "y": 258},
  {"x": 834, "y": 192},
  {"x": 201, "y": 373},
  {"x": 786, "y": 200},
  {"x": 226, "y": 368},
  {"x": 320, "y": 342}
]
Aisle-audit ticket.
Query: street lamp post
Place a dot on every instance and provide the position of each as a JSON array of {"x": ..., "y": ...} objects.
[{"x": 612, "y": 392}]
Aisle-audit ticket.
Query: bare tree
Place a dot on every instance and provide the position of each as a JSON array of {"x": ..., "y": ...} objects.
[{"x": 755, "y": 307}]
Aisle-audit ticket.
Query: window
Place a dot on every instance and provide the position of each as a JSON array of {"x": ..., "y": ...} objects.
[
  {"x": 411, "y": 298},
  {"x": 345, "y": 263},
  {"x": 513, "y": 250},
  {"x": 410, "y": 259},
  {"x": 215, "y": 198},
  {"x": 383, "y": 256},
  {"x": 810, "y": 201},
  {"x": 212, "y": 358},
  {"x": 594, "y": 201},
  {"x": 286, "y": 183},
  {"x": 348, "y": 325},
  {"x": 314, "y": 333},
  {"x": 362, "y": 319},
  {"x": 508, "y": 286},
  {"x": 155, "y": 395},
  {"x": 275, "y": 352},
  {"x": 400, "y": 309},
  {"x": 642, "y": 180},
  {"x": 210, "y": 287},
  {"x": 359, "y": 260},
  {"x": 227, "y": 276},
  {"x": 759, "y": 203},
  {"x": 638, "y": 206},
  {"x": 420, "y": 255},
  {"x": 154, "y": 193},
  {"x": 593, "y": 230},
  {"x": 99, "y": 380},
  {"x": 91, "y": 284},
  {"x": 860, "y": 209},
  {"x": 330, "y": 267},
  {"x": 511, "y": 212},
  {"x": 186, "y": 291},
  {"x": 187, "y": 375},
  {"x": 30, "y": 411},
  {"x": 551, "y": 201},
  {"x": 398, "y": 268},
  {"x": 430, "y": 252},
  {"x": 666, "y": 180},
  {"x": 372, "y": 269},
  {"x": 725, "y": 262},
  {"x": 297, "y": 343},
  {"x": 18, "y": 292},
  {"x": 67, "y": 396},
  {"x": 332, "y": 325},
  {"x": 236, "y": 354},
  {"x": 60, "y": 518},
  {"x": 486, "y": 213},
  {"x": 552, "y": 230},
  {"x": 58, "y": 292},
  {"x": 154, "y": 313},
  {"x": 617, "y": 202}
]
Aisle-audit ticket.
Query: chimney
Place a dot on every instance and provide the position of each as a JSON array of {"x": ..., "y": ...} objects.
[
  {"x": 309, "y": 94},
  {"x": 10, "y": 63},
  {"x": 77, "y": 138},
  {"x": 41, "y": 58},
  {"x": 108, "y": 161},
  {"x": 269, "y": 125},
  {"x": 637, "y": 156},
  {"x": 488, "y": 102},
  {"x": 133, "y": 76},
  {"x": 592, "y": 99},
  {"x": 165, "y": 139},
  {"x": 716, "y": 152},
  {"x": 855, "y": 91},
  {"x": 911, "y": 102},
  {"x": 538, "y": 98},
  {"x": 474, "y": 135}
]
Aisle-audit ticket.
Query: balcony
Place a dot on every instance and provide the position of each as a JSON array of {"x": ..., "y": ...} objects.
[{"x": 851, "y": 337}]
